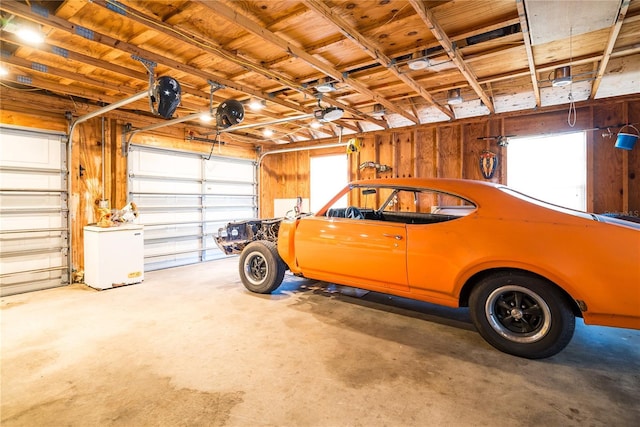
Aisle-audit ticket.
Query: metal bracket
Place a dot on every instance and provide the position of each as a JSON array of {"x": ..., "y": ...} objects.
[
  {"x": 126, "y": 128},
  {"x": 214, "y": 87},
  {"x": 150, "y": 67}
]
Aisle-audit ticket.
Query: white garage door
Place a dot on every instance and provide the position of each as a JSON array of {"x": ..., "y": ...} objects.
[
  {"x": 34, "y": 232},
  {"x": 183, "y": 200}
]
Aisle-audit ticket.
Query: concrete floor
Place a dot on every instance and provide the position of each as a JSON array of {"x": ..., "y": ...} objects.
[{"x": 190, "y": 346}]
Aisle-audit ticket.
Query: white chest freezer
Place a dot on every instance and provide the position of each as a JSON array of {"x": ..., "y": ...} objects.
[{"x": 113, "y": 256}]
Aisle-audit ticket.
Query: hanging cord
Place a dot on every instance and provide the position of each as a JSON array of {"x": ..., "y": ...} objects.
[
  {"x": 572, "y": 115},
  {"x": 213, "y": 144}
]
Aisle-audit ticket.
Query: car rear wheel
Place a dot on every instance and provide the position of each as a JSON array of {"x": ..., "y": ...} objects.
[
  {"x": 261, "y": 268},
  {"x": 522, "y": 314}
]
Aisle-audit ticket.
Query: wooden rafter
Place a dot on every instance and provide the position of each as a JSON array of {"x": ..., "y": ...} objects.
[
  {"x": 63, "y": 25},
  {"x": 249, "y": 25},
  {"x": 372, "y": 50},
  {"x": 613, "y": 36},
  {"x": 209, "y": 46},
  {"x": 524, "y": 25},
  {"x": 429, "y": 19}
]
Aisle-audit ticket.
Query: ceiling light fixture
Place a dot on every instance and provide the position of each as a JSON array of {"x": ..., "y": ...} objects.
[
  {"x": 257, "y": 104},
  {"x": 562, "y": 76},
  {"x": 454, "y": 97},
  {"x": 378, "y": 111},
  {"x": 315, "y": 124},
  {"x": 267, "y": 133},
  {"x": 329, "y": 114},
  {"x": 419, "y": 61},
  {"x": 30, "y": 35},
  {"x": 325, "y": 85},
  {"x": 206, "y": 117},
  {"x": 419, "y": 64},
  {"x": 3, "y": 71},
  {"x": 28, "y": 32}
]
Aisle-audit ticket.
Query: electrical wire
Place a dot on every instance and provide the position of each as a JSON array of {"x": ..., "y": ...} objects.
[{"x": 18, "y": 88}]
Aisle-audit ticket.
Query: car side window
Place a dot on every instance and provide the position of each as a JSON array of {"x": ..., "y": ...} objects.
[
  {"x": 424, "y": 207},
  {"x": 403, "y": 205}
]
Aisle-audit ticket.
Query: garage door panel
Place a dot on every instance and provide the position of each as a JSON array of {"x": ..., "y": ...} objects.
[
  {"x": 192, "y": 231},
  {"x": 169, "y": 217},
  {"x": 142, "y": 185},
  {"x": 32, "y": 180},
  {"x": 230, "y": 188},
  {"x": 157, "y": 163},
  {"x": 30, "y": 149},
  {"x": 25, "y": 242},
  {"x": 229, "y": 200},
  {"x": 35, "y": 283},
  {"x": 22, "y": 201},
  {"x": 232, "y": 214},
  {"x": 32, "y": 272},
  {"x": 34, "y": 242},
  {"x": 163, "y": 201},
  {"x": 229, "y": 170},
  {"x": 35, "y": 222},
  {"x": 177, "y": 203}
]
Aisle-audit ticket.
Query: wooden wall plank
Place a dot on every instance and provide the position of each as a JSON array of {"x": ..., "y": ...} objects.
[
  {"x": 607, "y": 164},
  {"x": 545, "y": 123},
  {"x": 405, "y": 165},
  {"x": 450, "y": 152},
  {"x": 426, "y": 153},
  {"x": 386, "y": 153},
  {"x": 633, "y": 113},
  {"x": 473, "y": 148}
]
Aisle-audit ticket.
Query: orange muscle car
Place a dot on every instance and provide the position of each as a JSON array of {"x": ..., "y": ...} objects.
[{"x": 525, "y": 268}]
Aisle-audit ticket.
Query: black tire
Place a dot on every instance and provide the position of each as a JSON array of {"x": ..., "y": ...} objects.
[
  {"x": 261, "y": 268},
  {"x": 522, "y": 314}
]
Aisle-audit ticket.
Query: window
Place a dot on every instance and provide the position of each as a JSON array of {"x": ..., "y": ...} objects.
[
  {"x": 550, "y": 168},
  {"x": 404, "y": 205},
  {"x": 329, "y": 175}
]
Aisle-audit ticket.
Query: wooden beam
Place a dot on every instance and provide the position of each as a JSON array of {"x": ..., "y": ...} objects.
[
  {"x": 108, "y": 88},
  {"x": 429, "y": 19},
  {"x": 249, "y": 25},
  {"x": 613, "y": 36},
  {"x": 524, "y": 25},
  {"x": 195, "y": 40},
  {"x": 372, "y": 50},
  {"x": 25, "y": 11}
]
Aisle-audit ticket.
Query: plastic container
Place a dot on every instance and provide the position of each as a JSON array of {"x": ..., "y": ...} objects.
[{"x": 626, "y": 141}]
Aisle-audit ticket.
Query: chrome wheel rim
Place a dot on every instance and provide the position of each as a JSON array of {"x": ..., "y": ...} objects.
[
  {"x": 518, "y": 314},
  {"x": 256, "y": 268}
]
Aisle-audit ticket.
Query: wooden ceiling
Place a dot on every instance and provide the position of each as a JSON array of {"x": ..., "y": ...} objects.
[{"x": 500, "y": 54}]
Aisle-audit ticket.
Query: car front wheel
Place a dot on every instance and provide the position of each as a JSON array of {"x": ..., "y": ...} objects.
[
  {"x": 261, "y": 268},
  {"x": 522, "y": 314}
]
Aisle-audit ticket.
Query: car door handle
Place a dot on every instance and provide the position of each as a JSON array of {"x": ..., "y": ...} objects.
[{"x": 395, "y": 236}]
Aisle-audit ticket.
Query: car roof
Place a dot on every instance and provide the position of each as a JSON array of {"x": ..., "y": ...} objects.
[
  {"x": 486, "y": 195},
  {"x": 473, "y": 190}
]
